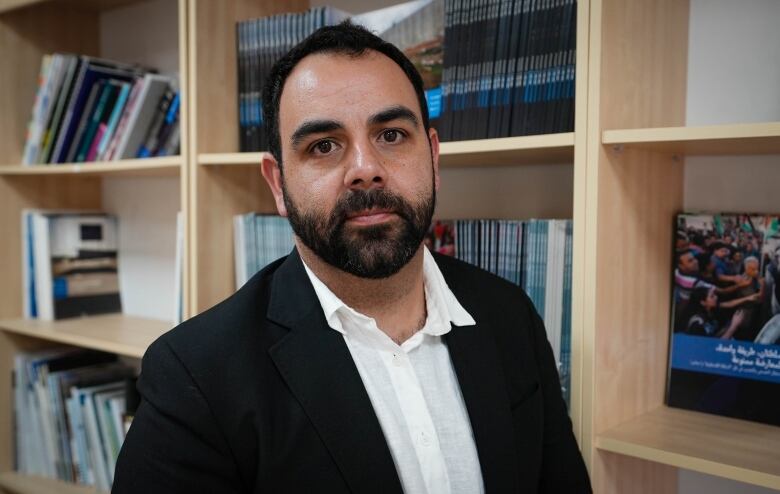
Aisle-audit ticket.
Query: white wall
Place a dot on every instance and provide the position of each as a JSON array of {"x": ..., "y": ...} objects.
[
  {"x": 733, "y": 77},
  {"x": 145, "y": 33}
]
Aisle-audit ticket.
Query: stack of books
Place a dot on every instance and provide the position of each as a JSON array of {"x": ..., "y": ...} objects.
[
  {"x": 258, "y": 240},
  {"x": 534, "y": 254},
  {"x": 70, "y": 265},
  {"x": 90, "y": 109},
  {"x": 72, "y": 409},
  {"x": 509, "y": 68}
]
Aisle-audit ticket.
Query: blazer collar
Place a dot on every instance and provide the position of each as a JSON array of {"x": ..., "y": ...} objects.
[{"x": 316, "y": 364}]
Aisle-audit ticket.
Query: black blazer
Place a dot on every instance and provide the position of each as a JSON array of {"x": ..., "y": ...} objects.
[{"x": 258, "y": 394}]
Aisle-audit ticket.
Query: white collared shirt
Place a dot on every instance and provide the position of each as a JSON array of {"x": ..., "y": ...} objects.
[{"x": 414, "y": 390}]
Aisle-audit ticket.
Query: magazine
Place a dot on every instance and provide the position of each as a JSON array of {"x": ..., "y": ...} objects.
[{"x": 725, "y": 341}]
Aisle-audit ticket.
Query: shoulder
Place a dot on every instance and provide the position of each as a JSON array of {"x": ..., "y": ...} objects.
[{"x": 221, "y": 333}]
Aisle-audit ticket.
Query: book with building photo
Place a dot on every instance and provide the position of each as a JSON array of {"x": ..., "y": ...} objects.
[
  {"x": 725, "y": 338},
  {"x": 70, "y": 265}
]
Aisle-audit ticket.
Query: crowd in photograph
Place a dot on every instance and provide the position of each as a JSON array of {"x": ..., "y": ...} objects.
[{"x": 727, "y": 277}]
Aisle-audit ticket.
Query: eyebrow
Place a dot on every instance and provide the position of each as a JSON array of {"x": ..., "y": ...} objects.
[
  {"x": 313, "y": 127},
  {"x": 398, "y": 112}
]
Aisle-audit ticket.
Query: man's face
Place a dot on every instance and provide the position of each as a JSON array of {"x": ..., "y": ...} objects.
[
  {"x": 688, "y": 263},
  {"x": 359, "y": 175}
]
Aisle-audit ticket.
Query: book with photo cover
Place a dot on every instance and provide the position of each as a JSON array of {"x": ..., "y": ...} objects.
[
  {"x": 724, "y": 353},
  {"x": 71, "y": 264}
]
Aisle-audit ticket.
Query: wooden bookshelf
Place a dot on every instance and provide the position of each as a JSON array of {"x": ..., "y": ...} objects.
[
  {"x": 734, "y": 449},
  {"x": 164, "y": 166},
  {"x": 116, "y": 333},
  {"x": 760, "y": 138},
  {"x": 22, "y": 484}
]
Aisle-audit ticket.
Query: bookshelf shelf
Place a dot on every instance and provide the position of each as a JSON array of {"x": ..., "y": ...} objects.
[
  {"x": 230, "y": 158},
  {"x": 116, "y": 333},
  {"x": 95, "y": 5},
  {"x": 734, "y": 449},
  {"x": 761, "y": 138},
  {"x": 165, "y": 166},
  {"x": 539, "y": 149},
  {"x": 23, "y": 484}
]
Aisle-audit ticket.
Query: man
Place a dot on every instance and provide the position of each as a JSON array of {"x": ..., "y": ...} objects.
[{"x": 359, "y": 363}]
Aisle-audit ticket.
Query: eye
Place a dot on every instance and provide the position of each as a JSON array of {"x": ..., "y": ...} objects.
[
  {"x": 392, "y": 135},
  {"x": 322, "y": 147}
]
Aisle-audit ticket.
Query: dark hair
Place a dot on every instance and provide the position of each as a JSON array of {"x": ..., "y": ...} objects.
[{"x": 345, "y": 39}]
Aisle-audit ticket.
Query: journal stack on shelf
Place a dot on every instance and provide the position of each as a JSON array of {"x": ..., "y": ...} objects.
[{"x": 90, "y": 109}]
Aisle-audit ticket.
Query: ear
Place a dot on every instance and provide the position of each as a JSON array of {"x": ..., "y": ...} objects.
[
  {"x": 273, "y": 175},
  {"x": 433, "y": 137}
]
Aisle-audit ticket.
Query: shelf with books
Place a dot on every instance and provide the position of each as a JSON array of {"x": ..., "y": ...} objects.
[
  {"x": 735, "y": 449},
  {"x": 116, "y": 333},
  {"x": 25, "y": 484},
  {"x": 739, "y": 139},
  {"x": 162, "y": 166},
  {"x": 538, "y": 149}
]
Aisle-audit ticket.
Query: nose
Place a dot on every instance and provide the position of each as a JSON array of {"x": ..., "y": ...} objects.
[{"x": 365, "y": 169}]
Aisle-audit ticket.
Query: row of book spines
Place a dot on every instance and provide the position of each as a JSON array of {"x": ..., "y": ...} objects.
[
  {"x": 87, "y": 108},
  {"x": 535, "y": 64},
  {"x": 259, "y": 240}
]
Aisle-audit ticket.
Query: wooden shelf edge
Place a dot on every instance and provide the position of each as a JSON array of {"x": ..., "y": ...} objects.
[
  {"x": 759, "y": 138},
  {"x": 167, "y": 165},
  {"x": 254, "y": 158},
  {"x": 519, "y": 143},
  {"x": 117, "y": 333},
  {"x": 523, "y": 149},
  {"x": 617, "y": 440},
  {"x": 26, "y": 484}
]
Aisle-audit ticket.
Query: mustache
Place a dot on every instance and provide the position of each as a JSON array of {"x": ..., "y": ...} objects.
[{"x": 361, "y": 200}]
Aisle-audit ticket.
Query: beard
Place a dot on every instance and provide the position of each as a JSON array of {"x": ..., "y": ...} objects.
[{"x": 374, "y": 251}]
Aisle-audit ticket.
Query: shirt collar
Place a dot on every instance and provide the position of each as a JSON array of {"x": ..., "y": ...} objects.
[{"x": 442, "y": 305}]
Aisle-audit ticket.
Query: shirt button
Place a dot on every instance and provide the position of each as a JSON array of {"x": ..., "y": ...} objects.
[
  {"x": 425, "y": 439},
  {"x": 397, "y": 360}
]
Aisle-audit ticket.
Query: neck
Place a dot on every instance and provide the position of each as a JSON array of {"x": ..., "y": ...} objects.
[{"x": 396, "y": 303}]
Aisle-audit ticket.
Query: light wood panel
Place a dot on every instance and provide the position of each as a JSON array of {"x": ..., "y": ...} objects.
[
  {"x": 637, "y": 78},
  {"x": 165, "y": 166},
  {"x": 734, "y": 449},
  {"x": 115, "y": 333},
  {"x": 21, "y": 484},
  {"x": 225, "y": 192},
  {"x": 762, "y": 138},
  {"x": 25, "y": 36}
]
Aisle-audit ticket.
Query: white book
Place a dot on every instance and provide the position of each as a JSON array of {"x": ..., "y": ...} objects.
[
  {"x": 239, "y": 250},
  {"x": 98, "y": 453},
  {"x": 178, "y": 282},
  {"x": 107, "y": 431},
  {"x": 154, "y": 86},
  {"x": 556, "y": 239}
]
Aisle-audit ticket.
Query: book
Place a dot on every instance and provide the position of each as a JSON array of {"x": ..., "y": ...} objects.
[
  {"x": 141, "y": 115},
  {"x": 534, "y": 254},
  {"x": 71, "y": 264},
  {"x": 724, "y": 354},
  {"x": 258, "y": 240}
]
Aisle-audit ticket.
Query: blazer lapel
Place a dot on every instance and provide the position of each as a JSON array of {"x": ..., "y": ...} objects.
[
  {"x": 316, "y": 364},
  {"x": 476, "y": 360}
]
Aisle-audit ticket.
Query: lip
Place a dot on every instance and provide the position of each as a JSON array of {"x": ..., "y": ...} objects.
[{"x": 371, "y": 217}]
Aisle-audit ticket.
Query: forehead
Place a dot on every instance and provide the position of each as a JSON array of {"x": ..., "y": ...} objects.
[{"x": 342, "y": 87}]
